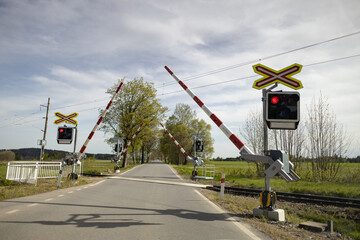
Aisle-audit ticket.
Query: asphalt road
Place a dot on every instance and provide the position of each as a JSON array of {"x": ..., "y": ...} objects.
[{"x": 147, "y": 202}]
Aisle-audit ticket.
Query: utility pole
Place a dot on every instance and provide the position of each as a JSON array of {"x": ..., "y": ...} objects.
[{"x": 45, "y": 129}]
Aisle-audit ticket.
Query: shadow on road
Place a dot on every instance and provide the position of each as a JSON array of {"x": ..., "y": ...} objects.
[{"x": 123, "y": 219}]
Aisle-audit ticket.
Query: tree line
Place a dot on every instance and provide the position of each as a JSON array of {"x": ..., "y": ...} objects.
[
  {"x": 137, "y": 104},
  {"x": 320, "y": 141}
]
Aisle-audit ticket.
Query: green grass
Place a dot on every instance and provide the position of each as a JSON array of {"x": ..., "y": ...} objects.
[
  {"x": 346, "y": 220},
  {"x": 243, "y": 174}
]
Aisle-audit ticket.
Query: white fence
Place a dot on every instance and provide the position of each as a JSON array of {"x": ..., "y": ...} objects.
[
  {"x": 29, "y": 172},
  {"x": 207, "y": 172}
]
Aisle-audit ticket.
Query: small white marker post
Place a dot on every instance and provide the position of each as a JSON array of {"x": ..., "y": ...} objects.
[{"x": 222, "y": 186}]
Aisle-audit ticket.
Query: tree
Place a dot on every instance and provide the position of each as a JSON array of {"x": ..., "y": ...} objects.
[
  {"x": 7, "y": 156},
  {"x": 182, "y": 115},
  {"x": 292, "y": 142},
  {"x": 183, "y": 125},
  {"x": 253, "y": 133},
  {"x": 327, "y": 141},
  {"x": 200, "y": 127},
  {"x": 136, "y": 103}
]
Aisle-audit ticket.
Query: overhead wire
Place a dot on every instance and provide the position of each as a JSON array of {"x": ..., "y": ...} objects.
[
  {"x": 243, "y": 78},
  {"x": 200, "y": 75}
]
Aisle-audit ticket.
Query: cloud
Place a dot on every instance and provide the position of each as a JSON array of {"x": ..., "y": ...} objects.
[{"x": 72, "y": 51}]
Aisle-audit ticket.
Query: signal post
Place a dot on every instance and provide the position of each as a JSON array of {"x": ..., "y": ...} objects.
[
  {"x": 277, "y": 162},
  {"x": 281, "y": 110},
  {"x": 65, "y": 135}
]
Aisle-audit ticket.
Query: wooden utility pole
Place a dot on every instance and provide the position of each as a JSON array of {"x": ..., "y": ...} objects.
[{"x": 45, "y": 129}]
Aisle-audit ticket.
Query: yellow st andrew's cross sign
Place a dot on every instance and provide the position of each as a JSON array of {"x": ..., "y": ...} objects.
[
  {"x": 64, "y": 118},
  {"x": 282, "y": 76}
]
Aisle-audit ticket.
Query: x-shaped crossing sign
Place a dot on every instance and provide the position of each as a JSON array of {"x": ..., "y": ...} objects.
[
  {"x": 64, "y": 118},
  {"x": 282, "y": 76}
]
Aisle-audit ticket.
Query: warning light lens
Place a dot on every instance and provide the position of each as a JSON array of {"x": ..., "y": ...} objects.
[
  {"x": 61, "y": 130},
  {"x": 274, "y": 99}
]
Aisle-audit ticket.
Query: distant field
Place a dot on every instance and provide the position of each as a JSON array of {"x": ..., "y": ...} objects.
[{"x": 242, "y": 174}]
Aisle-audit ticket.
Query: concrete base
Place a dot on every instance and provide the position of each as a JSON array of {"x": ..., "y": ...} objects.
[
  {"x": 117, "y": 171},
  {"x": 313, "y": 226},
  {"x": 275, "y": 214},
  {"x": 202, "y": 177}
]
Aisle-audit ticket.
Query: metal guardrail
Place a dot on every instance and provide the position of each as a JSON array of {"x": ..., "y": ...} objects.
[{"x": 30, "y": 171}]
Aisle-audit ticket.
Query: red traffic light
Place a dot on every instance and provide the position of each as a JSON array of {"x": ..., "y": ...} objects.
[
  {"x": 61, "y": 130},
  {"x": 274, "y": 99}
]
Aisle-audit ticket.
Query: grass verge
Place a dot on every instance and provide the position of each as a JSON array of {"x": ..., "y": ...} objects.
[
  {"x": 241, "y": 174},
  {"x": 346, "y": 220}
]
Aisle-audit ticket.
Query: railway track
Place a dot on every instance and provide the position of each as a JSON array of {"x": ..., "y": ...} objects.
[{"x": 295, "y": 197}]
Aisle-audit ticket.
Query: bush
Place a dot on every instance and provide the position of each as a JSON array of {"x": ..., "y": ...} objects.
[{"x": 7, "y": 156}]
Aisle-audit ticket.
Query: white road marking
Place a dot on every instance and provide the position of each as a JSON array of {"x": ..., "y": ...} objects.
[
  {"x": 127, "y": 171},
  {"x": 47, "y": 200},
  {"x": 98, "y": 183},
  {"x": 241, "y": 226},
  {"x": 12, "y": 211},
  {"x": 174, "y": 171},
  {"x": 61, "y": 195},
  {"x": 71, "y": 192},
  {"x": 162, "y": 182},
  {"x": 32, "y": 205}
]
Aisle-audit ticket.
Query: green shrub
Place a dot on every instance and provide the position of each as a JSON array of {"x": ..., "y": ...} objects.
[{"x": 7, "y": 156}]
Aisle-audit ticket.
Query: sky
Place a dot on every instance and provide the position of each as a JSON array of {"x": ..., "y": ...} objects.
[{"x": 73, "y": 51}]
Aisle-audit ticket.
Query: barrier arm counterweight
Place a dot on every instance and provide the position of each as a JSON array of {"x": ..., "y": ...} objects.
[
  {"x": 233, "y": 138},
  {"x": 188, "y": 158},
  {"x": 99, "y": 121}
]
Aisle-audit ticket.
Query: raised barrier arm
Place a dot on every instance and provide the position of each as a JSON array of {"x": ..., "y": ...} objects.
[
  {"x": 233, "y": 138},
  {"x": 99, "y": 121},
  {"x": 128, "y": 144},
  {"x": 188, "y": 158}
]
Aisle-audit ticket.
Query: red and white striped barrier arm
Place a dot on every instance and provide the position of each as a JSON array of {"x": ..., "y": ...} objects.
[
  {"x": 177, "y": 144},
  {"x": 233, "y": 138},
  {"x": 127, "y": 145},
  {"x": 100, "y": 119}
]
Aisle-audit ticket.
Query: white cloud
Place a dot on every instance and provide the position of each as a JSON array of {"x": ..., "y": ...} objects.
[{"x": 72, "y": 51}]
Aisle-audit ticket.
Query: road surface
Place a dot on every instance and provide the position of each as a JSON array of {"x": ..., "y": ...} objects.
[{"x": 148, "y": 202}]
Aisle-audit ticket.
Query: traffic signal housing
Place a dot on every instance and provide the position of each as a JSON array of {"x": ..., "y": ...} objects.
[
  {"x": 118, "y": 147},
  {"x": 65, "y": 135},
  {"x": 282, "y": 110},
  {"x": 199, "y": 146}
]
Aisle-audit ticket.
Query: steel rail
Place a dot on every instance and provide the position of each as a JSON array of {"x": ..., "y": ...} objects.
[{"x": 295, "y": 197}]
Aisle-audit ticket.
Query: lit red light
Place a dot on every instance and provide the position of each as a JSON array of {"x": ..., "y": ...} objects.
[{"x": 274, "y": 99}]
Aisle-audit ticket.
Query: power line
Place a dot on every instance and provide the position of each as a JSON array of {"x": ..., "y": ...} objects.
[
  {"x": 200, "y": 75},
  {"x": 54, "y": 109},
  {"x": 23, "y": 123},
  {"x": 243, "y": 78}
]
